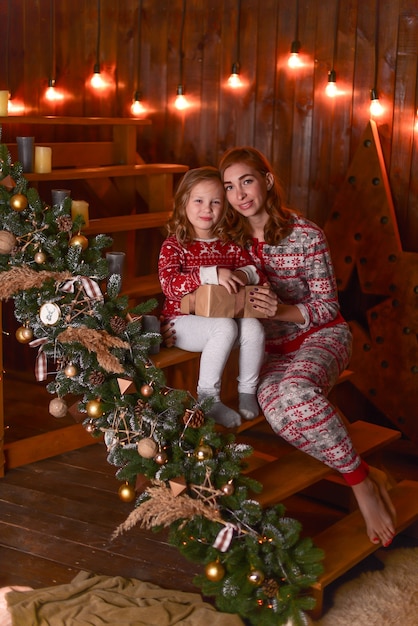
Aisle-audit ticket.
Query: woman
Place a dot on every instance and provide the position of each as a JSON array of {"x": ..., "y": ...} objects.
[{"x": 307, "y": 340}]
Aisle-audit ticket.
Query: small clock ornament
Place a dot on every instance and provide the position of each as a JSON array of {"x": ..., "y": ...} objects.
[
  {"x": 50, "y": 313},
  {"x": 58, "y": 407}
]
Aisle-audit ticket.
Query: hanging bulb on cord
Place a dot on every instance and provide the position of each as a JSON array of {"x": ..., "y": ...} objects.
[
  {"x": 331, "y": 88},
  {"x": 376, "y": 108},
  {"x": 180, "y": 102},
  {"x": 234, "y": 79},
  {"x": 294, "y": 59},
  {"x": 52, "y": 94},
  {"x": 96, "y": 80},
  {"x": 137, "y": 108}
]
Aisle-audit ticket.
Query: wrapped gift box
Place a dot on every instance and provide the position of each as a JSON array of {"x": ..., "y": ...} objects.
[{"x": 215, "y": 301}]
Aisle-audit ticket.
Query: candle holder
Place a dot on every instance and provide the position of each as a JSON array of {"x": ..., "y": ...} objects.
[
  {"x": 151, "y": 324},
  {"x": 25, "y": 150},
  {"x": 58, "y": 196}
]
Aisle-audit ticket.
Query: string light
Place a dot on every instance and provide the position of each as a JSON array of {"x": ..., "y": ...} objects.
[
  {"x": 376, "y": 109},
  {"x": 294, "y": 60},
  {"x": 97, "y": 81},
  {"x": 234, "y": 80},
  {"x": 137, "y": 107},
  {"x": 331, "y": 89},
  {"x": 181, "y": 102}
]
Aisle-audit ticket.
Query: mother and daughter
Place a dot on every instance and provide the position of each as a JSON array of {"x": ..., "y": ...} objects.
[{"x": 231, "y": 227}]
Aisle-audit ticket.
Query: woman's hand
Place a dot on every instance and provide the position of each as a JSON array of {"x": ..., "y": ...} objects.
[
  {"x": 167, "y": 332},
  {"x": 264, "y": 300}
]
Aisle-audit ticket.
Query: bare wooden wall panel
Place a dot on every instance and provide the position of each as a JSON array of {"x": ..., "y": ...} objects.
[{"x": 309, "y": 139}]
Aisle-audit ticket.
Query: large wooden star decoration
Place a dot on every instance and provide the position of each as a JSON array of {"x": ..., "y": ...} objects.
[{"x": 364, "y": 240}]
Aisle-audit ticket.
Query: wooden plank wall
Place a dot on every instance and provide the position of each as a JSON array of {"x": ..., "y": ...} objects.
[{"x": 309, "y": 138}]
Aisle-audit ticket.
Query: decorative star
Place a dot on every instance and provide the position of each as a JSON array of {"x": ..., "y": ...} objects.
[{"x": 206, "y": 491}]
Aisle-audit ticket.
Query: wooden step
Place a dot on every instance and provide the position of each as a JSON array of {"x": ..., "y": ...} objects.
[
  {"x": 123, "y": 223},
  {"x": 346, "y": 543},
  {"x": 109, "y": 171},
  {"x": 141, "y": 286},
  {"x": 296, "y": 470}
]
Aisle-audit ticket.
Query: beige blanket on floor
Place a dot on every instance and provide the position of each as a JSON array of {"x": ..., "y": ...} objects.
[{"x": 91, "y": 600}]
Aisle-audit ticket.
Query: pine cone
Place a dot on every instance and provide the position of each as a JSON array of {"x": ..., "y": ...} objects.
[
  {"x": 118, "y": 324},
  {"x": 139, "y": 407},
  {"x": 194, "y": 418},
  {"x": 97, "y": 378},
  {"x": 270, "y": 587},
  {"x": 65, "y": 223}
]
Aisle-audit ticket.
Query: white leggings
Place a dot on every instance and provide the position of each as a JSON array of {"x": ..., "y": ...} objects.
[{"x": 215, "y": 338}]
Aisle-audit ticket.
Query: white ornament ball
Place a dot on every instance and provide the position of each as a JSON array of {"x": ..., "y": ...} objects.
[
  {"x": 147, "y": 448},
  {"x": 58, "y": 407},
  {"x": 7, "y": 242}
]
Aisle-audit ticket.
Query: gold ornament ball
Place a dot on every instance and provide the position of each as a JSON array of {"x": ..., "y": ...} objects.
[
  {"x": 18, "y": 202},
  {"x": 90, "y": 427},
  {"x": 161, "y": 457},
  {"x": 40, "y": 258},
  {"x": 147, "y": 390},
  {"x": 79, "y": 240},
  {"x": 7, "y": 242},
  {"x": 214, "y": 571},
  {"x": 126, "y": 493},
  {"x": 228, "y": 489},
  {"x": 94, "y": 409},
  {"x": 24, "y": 334},
  {"x": 70, "y": 370},
  {"x": 256, "y": 577},
  {"x": 203, "y": 452},
  {"x": 58, "y": 407},
  {"x": 147, "y": 448}
]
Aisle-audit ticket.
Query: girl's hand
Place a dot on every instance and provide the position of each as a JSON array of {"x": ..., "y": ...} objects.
[{"x": 231, "y": 280}]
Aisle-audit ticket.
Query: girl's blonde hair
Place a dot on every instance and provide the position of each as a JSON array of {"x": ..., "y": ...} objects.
[
  {"x": 179, "y": 224},
  {"x": 279, "y": 223}
]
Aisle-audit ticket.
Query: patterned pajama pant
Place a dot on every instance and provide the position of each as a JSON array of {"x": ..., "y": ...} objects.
[{"x": 293, "y": 393}]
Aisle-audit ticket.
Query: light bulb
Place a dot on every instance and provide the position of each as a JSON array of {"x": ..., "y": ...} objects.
[
  {"x": 376, "y": 108},
  {"x": 294, "y": 59},
  {"x": 51, "y": 93},
  {"x": 180, "y": 102},
  {"x": 137, "y": 108},
  {"x": 331, "y": 88},
  {"x": 234, "y": 79},
  {"x": 96, "y": 80}
]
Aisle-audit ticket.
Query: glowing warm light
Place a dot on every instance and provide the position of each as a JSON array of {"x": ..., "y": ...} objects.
[
  {"x": 53, "y": 95},
  {"x": 294, "y": 59},
  {"x": 331, "y": 88},
  {"x": 234, "y": 79},
  {"x": 416, "y": 122},
  {"x": 96, "y": 80},
  {"x": 181, "y": 102},
  {"x": 137, "y": 108},
  {"x": 15, "y": 108},
  {"x": 376, "y": 108}
]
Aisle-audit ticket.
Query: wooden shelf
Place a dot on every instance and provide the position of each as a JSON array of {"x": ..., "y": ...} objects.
[
  {"x": 74, "y": 121},
  {"x": 109, "y": 171}
]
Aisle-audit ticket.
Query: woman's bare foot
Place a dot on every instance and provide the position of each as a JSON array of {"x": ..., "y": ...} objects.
[{"x": 376, "y": 507}]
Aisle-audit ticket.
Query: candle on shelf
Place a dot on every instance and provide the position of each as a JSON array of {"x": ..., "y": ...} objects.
[
  {"x": 43, "y": 160},
  {"x": 58, "y": 196},
  {"x": 80, "y": 207},
  {"x": 4, "y": 103},
  {"x": 115, "y": 262}
]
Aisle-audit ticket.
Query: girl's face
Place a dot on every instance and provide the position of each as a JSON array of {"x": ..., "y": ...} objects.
[
  {"x": 205, "y": 207},
  {"x": 246, "y": 189}
]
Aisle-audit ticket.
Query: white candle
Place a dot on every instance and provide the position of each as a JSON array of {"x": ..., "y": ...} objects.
[
  {"x": 4, "y": 102},
  {"x": 43, "y": 160},
  {"x": 80, "y": 207}
]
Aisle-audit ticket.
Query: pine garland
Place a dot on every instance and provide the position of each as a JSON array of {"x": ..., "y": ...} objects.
[{"x": 253, "y": 560}]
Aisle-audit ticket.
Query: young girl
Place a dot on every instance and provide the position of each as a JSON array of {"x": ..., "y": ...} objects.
[
  {"x": 195, "y": 254},
  {"x": 307, "y": 340}
]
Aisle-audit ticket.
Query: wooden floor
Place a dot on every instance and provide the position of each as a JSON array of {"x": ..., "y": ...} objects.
[{"x": 57, "y": 515}]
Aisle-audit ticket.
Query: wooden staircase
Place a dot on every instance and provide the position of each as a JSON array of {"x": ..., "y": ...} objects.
[{"x": 285, "y": 472}]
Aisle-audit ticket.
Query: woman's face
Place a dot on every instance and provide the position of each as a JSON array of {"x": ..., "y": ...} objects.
[{"x": 246, "y": 189}]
